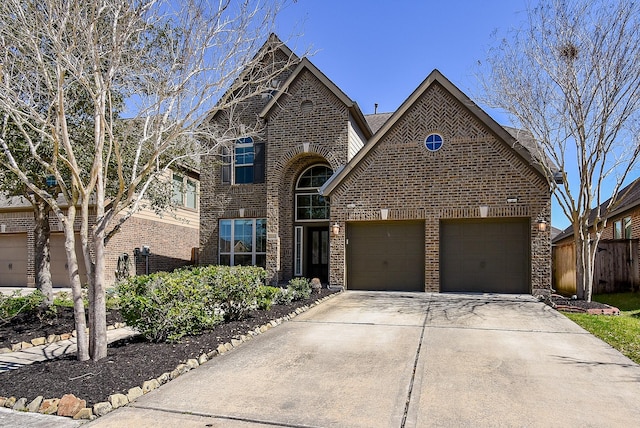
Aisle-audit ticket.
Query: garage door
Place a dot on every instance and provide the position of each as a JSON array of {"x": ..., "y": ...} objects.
[
  {"x": 59, "y": 265},
  {"x": 485, "y": 255},
  {"x": 385, "y": 256},
  {"x": 13, "y": 260}
]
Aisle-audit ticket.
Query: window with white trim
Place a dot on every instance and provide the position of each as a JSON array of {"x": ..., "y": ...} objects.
[
  {"x": 311, "y": 205},
  {"x": 184, "y": 192},
  {"x": 622, "y": 228},
  {"x": 297, "y": 268},
  {"x": 243, "y": 241},
  {"x": 244, "y": 162}
]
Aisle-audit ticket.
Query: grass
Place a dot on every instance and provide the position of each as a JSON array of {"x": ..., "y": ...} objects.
[{"x": 622, "y": 332}]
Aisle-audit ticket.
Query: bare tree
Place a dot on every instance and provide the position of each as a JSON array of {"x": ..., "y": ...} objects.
[
  {"x": 571, "y": 77},
  {"x": 172, "y": 65}
]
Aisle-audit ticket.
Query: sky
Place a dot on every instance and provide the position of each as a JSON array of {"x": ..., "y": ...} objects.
[{"x": 380, "y": 51}]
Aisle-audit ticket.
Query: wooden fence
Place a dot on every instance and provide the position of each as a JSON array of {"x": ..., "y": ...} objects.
[{"x": 615, "y": 269}]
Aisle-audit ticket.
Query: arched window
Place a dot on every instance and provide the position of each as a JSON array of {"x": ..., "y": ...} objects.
[{"x": 310, "y": 205}]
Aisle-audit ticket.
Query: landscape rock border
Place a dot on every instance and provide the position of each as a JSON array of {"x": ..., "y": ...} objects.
[
  {"x": 74, "y": 407},
  {"x": 52, "y": 338}
]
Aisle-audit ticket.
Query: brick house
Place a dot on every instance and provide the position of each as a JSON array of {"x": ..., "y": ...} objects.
[
  {"x": 435, "y": 196},
  {"x": 170, "y": 239}
]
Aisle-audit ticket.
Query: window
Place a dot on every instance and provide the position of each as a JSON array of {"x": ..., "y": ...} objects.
[
  {"x": 310, "y": 205},
  {"x": 243, "y": 160},
  {"x": 243, "y": 242},
  {"x": 184, "y": 192},
  {"x": 433, "y": 142},
  {"x": 245, "y": 164},
  {"x": 622, "y": 228}
]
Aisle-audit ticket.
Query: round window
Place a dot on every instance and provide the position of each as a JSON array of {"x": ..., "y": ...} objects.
[{"x": 433, "y": 142}]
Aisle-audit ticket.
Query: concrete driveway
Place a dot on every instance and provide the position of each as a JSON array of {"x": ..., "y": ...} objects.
[{"x": 372, "y": 359}]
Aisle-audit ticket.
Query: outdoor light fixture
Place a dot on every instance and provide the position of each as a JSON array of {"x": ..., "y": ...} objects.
[
  {"x": 384, "y": 213},
  {"x": 512, "y": 200},
  {"x": 241, "y": 212},
  {"x": 542, "y": 225},
  {"x": 484, "y": 211},
  {"x": 335, "y": 229}
]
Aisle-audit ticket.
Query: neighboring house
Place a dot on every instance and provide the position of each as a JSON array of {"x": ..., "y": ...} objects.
[
  {"x": 435, "y": 196},
  {"x": 171, "y": 240},
  {"x": 616, "y": 267}
]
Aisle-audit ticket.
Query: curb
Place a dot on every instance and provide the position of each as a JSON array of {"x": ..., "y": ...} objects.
[{"x": 74, "y": 407}]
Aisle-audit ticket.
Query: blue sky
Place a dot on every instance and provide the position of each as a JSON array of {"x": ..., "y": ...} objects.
[{"x": 380, "y": 51}]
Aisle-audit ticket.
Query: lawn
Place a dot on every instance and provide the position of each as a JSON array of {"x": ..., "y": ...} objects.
[{"x": 622, "y": 332}]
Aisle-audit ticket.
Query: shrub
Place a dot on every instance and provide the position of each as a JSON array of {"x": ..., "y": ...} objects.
[
  {"x": 266, "y": 296},
  {"x": 284, "y": 297},
  {"x": 234, "y": 288},
  {"x": 10, "y": 306},
  {"x": 300, "y": 288},
  {"x": 166, "y": 306}
]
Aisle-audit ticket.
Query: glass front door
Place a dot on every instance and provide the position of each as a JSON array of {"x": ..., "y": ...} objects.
[{"x": 317, "y": 253}]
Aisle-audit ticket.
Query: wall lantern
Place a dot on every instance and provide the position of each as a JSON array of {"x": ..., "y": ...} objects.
[
  {"x": 484, "y": 211},
  {"x": 384, "y": 213},
  {"x": 542, "y": 225},
  {"x": 335, "y": 229},
  {"x": 241, "y": 212}
]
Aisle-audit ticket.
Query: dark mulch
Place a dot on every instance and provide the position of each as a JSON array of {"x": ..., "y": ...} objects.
[
  {"x": 129, "y": 363},
  {"x": 574, "y": 305}
]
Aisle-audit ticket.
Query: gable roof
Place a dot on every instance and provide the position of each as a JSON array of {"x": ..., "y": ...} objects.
[
  {"x": 627, "y": 199},
  {"x": 434, "y": 77},
  {"x": 271, "y": 45},
  {"x": 305, "y": 64}
]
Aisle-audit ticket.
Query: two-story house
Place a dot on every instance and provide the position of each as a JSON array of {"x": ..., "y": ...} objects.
[{"x": 435, "y": 196}]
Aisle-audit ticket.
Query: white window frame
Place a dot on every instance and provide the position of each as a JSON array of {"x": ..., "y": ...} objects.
[
  {"x": 299, "y": 245},
  {"x": 621, "y": 226},
  {"x": 238, "y": 145},
  {"x": 232, "y": 253},
  {"x": 309, "y": 191},
  {"x": 179, "y": 196}
]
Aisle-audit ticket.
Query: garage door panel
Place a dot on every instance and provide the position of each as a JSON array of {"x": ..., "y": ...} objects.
[
  {"x": 485, "y": 255},
  {"x": 59, "y": 264},
  {"x": 385, "y": 256},
  {"x": 13, "y": 260}
]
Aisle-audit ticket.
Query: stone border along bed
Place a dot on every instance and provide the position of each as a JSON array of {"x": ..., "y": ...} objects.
[
  {"x": 71, "y": 406},
  {"x": 52, "y": 338}
]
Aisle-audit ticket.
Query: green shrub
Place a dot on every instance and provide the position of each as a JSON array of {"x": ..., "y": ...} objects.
[
  {"x": 284, "y": 297},
  {"x": 15, "y": 304},
  {"x": 266, "y": 296},
  {"x": 166, "y": 306},
  {"x": 300, "y": 288},
  {"x": 234, "y": 288}
]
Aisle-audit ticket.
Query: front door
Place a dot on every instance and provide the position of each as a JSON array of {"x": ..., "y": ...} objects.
[{"x": 317, "y": 259}]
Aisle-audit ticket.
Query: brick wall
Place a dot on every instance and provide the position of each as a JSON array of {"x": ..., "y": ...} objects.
[{"x": 171, "y": 244}]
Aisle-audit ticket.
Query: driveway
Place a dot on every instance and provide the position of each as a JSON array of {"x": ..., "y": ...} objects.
[{"x": 374, "y": 359}]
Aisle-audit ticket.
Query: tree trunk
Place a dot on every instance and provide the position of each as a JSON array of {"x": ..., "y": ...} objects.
[
  {"x": 41, "y": 248},
  {"x": 97, "y": 296},
  {"x": 76, "y": 285},
  {"x": 584, "y": 265}
]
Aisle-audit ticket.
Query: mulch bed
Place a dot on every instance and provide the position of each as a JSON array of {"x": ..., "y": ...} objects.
[
  {"x": 566, "y": 304},
  {"x": 129, "y": 363}
]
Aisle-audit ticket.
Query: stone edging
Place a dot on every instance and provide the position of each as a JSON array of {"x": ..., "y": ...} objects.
[
  {"x": 52, "y": 338},
  {"x": 71, "y": 406}
]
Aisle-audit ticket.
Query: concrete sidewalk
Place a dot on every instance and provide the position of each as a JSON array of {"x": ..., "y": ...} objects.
[{"x": 405, "y": 360}]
